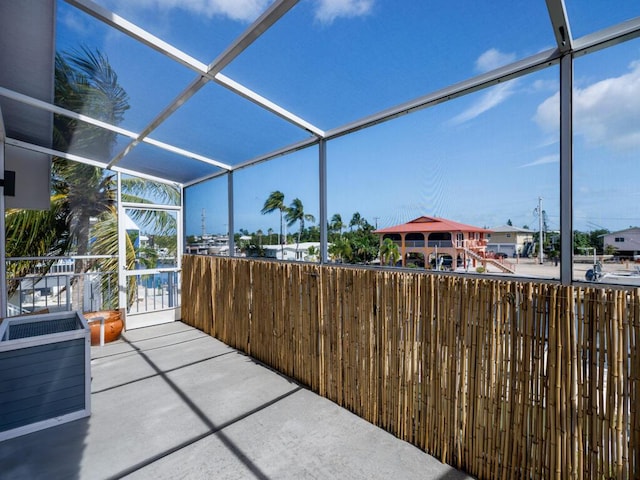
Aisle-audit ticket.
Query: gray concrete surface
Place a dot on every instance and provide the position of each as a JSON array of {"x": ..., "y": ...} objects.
[{"x": 171, "y": 402}]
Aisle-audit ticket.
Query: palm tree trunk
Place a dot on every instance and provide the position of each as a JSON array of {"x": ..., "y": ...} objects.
[
  {"x": 281, "y": 239},
  {"x": 82, "y": 239}
]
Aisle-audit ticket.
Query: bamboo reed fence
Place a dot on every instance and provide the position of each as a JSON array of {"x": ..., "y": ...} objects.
[{"x": 502, "y": 379}]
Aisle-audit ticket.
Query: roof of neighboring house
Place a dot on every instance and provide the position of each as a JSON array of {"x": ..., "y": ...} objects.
[
  {"x": 630, "y": 229},
  {"x": 426, "y": 224},
  {"x": 510, "y": 229},
  {"x": 302, "y": 247}
]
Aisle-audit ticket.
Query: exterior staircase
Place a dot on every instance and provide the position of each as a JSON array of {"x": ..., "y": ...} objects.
[{"x": 502, "y": 265}]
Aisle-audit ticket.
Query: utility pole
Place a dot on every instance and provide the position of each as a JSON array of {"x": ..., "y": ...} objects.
[
  {"x": 541, "y": 234},
  {"x": 204, "y": 223}
]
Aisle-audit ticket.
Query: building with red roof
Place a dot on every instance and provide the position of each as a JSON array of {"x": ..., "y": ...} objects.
[{"x": 437, "y": 241}]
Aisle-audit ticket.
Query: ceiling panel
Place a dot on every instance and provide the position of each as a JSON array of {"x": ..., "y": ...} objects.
[
  {"x": 150, "y": 79},
  {"x": 166, "y": 165},
  {"x": 222, "y": 125}
]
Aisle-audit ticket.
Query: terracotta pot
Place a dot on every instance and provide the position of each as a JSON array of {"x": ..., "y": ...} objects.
[{"x": 112, "y": 325}]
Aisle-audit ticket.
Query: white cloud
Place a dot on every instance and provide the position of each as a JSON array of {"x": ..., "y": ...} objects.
[
  {"x": 606, "y": 113},
  {"x": 239, "y": 10},
  {"x": 494, "y": 97},
  {"x": 493, "y": 58},
  {"x": 74, "y": 22},
  {"x": 543, "y": 161},
  {"x": 328, "y": 10}
]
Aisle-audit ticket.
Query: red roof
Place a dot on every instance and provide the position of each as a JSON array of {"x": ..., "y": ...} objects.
[{"x": 431, "y": 224}]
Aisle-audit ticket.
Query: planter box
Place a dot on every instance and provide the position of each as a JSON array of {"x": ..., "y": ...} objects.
[{"x": 45, "y": 372}]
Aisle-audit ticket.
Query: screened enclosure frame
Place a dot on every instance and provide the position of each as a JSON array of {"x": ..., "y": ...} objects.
[{"x": 563, "y": 54}]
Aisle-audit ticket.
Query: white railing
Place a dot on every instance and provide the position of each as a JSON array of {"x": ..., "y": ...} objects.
[
  {"x": 154, "y": 289},
  {"x": 49, "y": 283}
]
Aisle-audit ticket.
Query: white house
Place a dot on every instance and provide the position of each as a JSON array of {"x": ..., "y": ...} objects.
[
  {"x": 292, "y": 251},
  {"x": 510, "y": 240},
  {"x": 626, "y": 242}
]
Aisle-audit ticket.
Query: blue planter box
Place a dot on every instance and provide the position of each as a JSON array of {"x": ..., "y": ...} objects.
[{"x": 45, "y": 372}]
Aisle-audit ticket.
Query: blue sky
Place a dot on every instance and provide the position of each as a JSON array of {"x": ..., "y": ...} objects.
[{"x": 481, "y": 159}]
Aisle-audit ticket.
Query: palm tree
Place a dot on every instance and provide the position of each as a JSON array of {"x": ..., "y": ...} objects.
[
  {"x": 340, "y": 249},
  {"x": 295, "y": 213},
  {"x": 313, "y": 253},
  {"x": 389, "y": 253},
  {"x": 356, "y": 220},
  {"x": 259, "y": 234},
  {"x": 273, "y": 203},
  {"x": 336, "y": 223},
  {"x": 270, "y": 232}
]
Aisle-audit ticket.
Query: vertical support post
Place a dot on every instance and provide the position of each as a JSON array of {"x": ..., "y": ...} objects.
[
  {"x": 170, "y": 300},
  {"x": 566, "y": 170},
  {"x": 232, "y": 242},
  {"x": 101, "y": 331},
  {"x": 171, "y": 276},
  {"x": 180, "y": 226},
  {"x": 540, "y": 232},
  {"x": 67, "y": 289},
  {"x": 122, "y": 248},
  {"x": 322, "y": 179},
  {"x": 3, "y": 236}
]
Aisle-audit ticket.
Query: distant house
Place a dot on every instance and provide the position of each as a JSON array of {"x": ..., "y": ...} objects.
[
  {"x": 510, "y": 240},
  {"x": 626, "y": 242},
  {"x": 435, "y": 241},
  {"x": 292, "y": 251}
]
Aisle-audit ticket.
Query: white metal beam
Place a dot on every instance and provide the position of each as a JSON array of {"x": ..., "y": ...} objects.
[
  {"x": 322, "y": 189},
  {"x": 87, "y": 161},
  {"x": 151, "y": 206},
  {"x": 231, "y": 216},
  {"x": 34, "y": 102},
  {"x": 262, "y": 158},
  {"x": 609, "y": 36},
  {"x": 267, "y": 104},
  {"x": 3, "y": 133},
  {"x": 204, "y": 179},
  {"x": 187, "y": 153},
  {"x": 185, "y": 95},
  {"x": 122, "y": 248},
  {"x": 4, "y": 300},
  {"x": 560, "y": 23},
  {"x": 302, "y": 144},
  {"x": 566, "y": 170}
]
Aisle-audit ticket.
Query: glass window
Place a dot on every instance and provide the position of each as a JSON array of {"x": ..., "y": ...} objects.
[
  {"x": 207, "y": 217},
  {"x": 80, "y": 36},
  {"x": 151, "y": 238},
  {"x": 341, "y": 64},
  {"x": 140, "y": 190},
  {"x": 479, "y": 160},
  {"x": 276, "y": 208},
  {"x": 606, "y": 144}
]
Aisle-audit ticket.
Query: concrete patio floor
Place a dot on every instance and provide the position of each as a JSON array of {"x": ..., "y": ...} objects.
[{"x": 171, "y": 402}]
